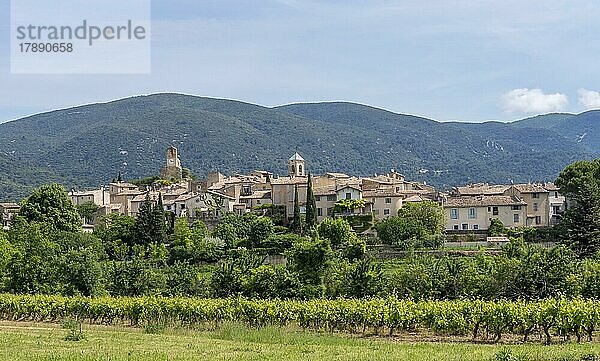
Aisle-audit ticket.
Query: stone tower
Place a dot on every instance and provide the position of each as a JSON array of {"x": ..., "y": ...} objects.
[
  {"x": 296, "y": 166},
  {"x": 173, "y": 167}
]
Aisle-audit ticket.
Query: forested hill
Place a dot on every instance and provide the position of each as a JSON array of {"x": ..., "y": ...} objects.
[
  {"x": 89, "y": 145},
  {"x": 583, "y": 128}
]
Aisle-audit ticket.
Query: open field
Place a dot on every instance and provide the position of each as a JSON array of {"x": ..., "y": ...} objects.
[{"x": 45, "y": 341}]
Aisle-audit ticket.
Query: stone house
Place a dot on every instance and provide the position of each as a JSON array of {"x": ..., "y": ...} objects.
[{"x": 472, "y": 213}]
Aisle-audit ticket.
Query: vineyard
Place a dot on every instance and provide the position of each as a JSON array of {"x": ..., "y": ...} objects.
[{"x": 481, "y": 320}]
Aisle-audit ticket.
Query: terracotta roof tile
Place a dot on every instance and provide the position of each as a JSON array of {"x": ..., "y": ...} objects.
[{"x": 482, "y": 201}]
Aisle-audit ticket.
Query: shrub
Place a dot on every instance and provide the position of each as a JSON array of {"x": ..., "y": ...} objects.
[
  {"x": 402, "y": 232},
  {"x": 354, "y": 249},
  {"x": 75, "y": 330},
  {"x": 337, "y": 231}
]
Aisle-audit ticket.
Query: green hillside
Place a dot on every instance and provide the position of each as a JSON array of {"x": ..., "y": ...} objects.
[
  {"x": 17, "y": 177},
  {"x": 89, "y": 145},
  {"x": 546, "y": 121},
  {"x": 583, "y": 128}
]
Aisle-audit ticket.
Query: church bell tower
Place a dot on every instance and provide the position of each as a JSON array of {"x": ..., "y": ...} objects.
[{"x": 296, "y": 166}]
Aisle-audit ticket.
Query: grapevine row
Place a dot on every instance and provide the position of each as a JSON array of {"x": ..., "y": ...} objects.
[{"x": 478, "y": 319}]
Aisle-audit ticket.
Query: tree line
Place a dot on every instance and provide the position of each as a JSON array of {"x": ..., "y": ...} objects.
[{"x": 45, "y": 252}]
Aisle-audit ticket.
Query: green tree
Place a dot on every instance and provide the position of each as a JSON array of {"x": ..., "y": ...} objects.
[
  {"x": 243, "y": 230},
  {"x": 354, "y": 248},
  {"x": 134, "y": 278},
  {"x": 189, "y": 244},
  {"x": 268, "y": 281},
  {"x": 33, "y": 268},
  {"x": 496, "y": 228},
  {"x": 580, "y": 226},
  {"x": 186, "y": 280},
  {"x": 87, "y": 211},
  {"x": 281, "y": 242},
  {"x": 527, "y": 271},
  {"x": 428, "y": 214},
  {"x": 261, "y": 228},
  {"x": 199, "y": 230},
  {"x": 232, "y": 274},
  {"x": 181, "y": 241},
  {"x": 117, "y": 233},
  {"x": 6, "y": 252},
  {"x": 309, "y": 259},
  {"x": 226, "y": 232},
  {"x": 51, "y": 204},
  {"x": 79, "y": 267},
  {"x": 311, "y": 205},
  {"x": 336, "y": 230},
  {"x": 150, "y": 226},
  {"x": 296, "y": 225},
  {"x": 364, "y": 279},
  {"x": 160, "y": 221},
  {"x": 144, "y": 223},
  {"x": 404, "y": 232}
]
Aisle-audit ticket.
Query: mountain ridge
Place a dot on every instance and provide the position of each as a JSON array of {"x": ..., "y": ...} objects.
[{"x": 88, "y": 145}]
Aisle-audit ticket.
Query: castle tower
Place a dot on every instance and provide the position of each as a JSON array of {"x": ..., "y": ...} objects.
[
  {"x": 173, "y": 167},
  {"x": 296, "y": 166}
]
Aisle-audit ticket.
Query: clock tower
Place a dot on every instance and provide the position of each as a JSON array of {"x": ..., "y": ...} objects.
[{"x": 173, "y": 167}]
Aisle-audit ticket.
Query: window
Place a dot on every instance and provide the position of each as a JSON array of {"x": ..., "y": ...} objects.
[
  {"x": 386, "y": 212},
  {"x": 168, "y": 207},
  {"x": 538, "y": 220},
  {"x": 317, "y": 198},
  {"x": 535, "y": 195},
  {"x": 376, "y": 212},
  {"x": 495, "y": 211},
  {"x": 331, "y": 198},
  {"x": 246, "y": 189},
  {"x": 475, "y": 226},
  {"x": 465, "y": 226},
  {"x": 299, "y": 168},
  {"x": 320, "y": 212},
  {"x": 397, "y": 189},
  {"x": 516, "y": 207},
  {"x": 455, "y": 227},
  {"x": 183, "y": 206},
  {"x": 329, "y": 211},
  {"x": 258, "y": 201},
  {"x": 348, "y": 195},
  {"x": 555, "y": 209},
  {"x": 388, "y": 200},
  {"x": 535, "y": 207},
  {"x": 555, "y": 194},
  {"x": 516, "y": 218},
  {"x": 454, "y": 213},
  {"x": 472, "y": 213}
]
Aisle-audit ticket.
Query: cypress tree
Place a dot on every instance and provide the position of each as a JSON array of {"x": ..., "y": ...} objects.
[
  {"x": 296, "y": 225},
  {"x": 144, "y": 223},
  {"x": 150, "y": 224},
  {"x": 580, "y": 226},
  {"x": 160, "y": 226},
  {"x": 311, "y": 205}
]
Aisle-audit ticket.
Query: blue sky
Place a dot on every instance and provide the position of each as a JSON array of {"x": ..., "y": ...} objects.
[{"x": 446, "y": 60}]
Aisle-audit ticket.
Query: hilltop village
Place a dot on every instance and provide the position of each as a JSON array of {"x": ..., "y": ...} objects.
[{"x": 467, "y": 208}]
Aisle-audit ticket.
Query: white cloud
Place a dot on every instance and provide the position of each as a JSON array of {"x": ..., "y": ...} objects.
[
  {"x": 525, "y": 100},
  {"x": 589, "y": 99}
]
